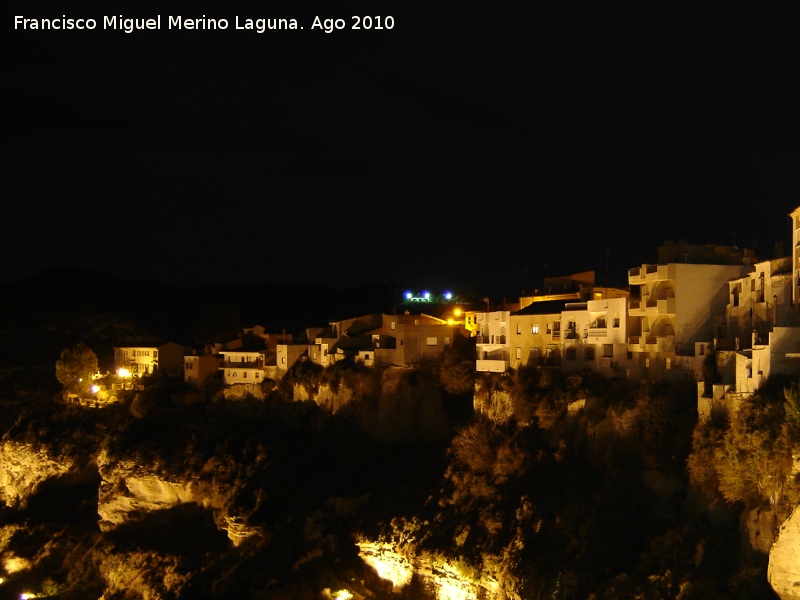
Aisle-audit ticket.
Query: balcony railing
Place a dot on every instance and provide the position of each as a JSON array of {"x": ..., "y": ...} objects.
[
  {"x": 490, "y": 339},
  {"x": 241, "y": 365},
  {"x": 598, "y": 332},
  {"x": 491, "y": 366}
]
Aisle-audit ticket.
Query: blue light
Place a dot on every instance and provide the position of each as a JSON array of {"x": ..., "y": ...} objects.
[
  {"x": 448, "y": 295},
  {"x": 408, "y": 295},
  {"x": 426, "y": 295}
]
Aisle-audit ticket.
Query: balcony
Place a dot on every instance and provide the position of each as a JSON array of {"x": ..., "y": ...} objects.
[
  {"x": 662, "y": 306},
  {"x": 491, "y": 366},
  {"x": 597, "y": 332},
  {"x": 241, "y": 365},
  {"x": 653, "y": 343},
  {"x": 651, "y": 273},
  {"x": 634, "y": 304},
  {"x": 497, "y": 340}
]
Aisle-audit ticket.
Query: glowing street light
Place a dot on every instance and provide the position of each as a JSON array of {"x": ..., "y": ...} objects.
[
  {"x": 448, "y": 295},
  {"x": 95, "y": 389},
  {"x": 124, "y": 372}
]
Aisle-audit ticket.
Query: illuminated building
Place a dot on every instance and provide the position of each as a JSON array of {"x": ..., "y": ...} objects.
[{"x": 144, "y": 360}]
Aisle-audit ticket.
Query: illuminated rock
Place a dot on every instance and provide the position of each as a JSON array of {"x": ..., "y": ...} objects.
[
  {"x": 447, "y": 579},
  {"x": 128, "y": 490},
  {"x": 23, "y": 468},
  {"x": 784, "y": 559}
]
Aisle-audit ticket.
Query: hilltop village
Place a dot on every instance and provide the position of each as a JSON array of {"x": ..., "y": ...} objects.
[
  {"x": 699, "y": 303},
  {"x": 583, "y": 441}
]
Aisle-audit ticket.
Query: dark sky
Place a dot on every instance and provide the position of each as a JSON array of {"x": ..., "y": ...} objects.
[{"x": 471, "y": 141}]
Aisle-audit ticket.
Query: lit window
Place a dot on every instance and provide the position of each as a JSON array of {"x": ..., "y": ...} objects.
[
  {"x": 391, "y": 325},
  {"x": 519, "y": 353},
  {"x": 432, "y": 341},
  {"x": 447, "y": 341},
  {"x": 535, "y": 329},
  {"x": 283, "y": 360},
  {"x": 669, "y": 363}
]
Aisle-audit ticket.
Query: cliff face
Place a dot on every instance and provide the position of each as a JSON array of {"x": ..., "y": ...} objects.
[
  {"x": 784, "y": 559},
  {"x": 24, "y": 467},
  {"x": 446, "y": 579},
  {"x": 401, "y": 406},
  {"x": 129, "y": 489}
]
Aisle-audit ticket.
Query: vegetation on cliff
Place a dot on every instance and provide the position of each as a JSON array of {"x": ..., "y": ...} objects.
[{"x": 561, "y": 486}]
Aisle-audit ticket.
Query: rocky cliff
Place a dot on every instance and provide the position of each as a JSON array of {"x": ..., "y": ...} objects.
[
  {"x": 784, "y": 559},
  {"x": 25, "y": 467},
  {"x": 129, "y": 490},
  {"x": 394, "y": 405}
]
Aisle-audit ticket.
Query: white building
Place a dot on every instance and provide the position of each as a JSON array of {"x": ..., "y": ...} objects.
[
  {"x": 672, "y": 311},
  {"x": 758, "y": 302},
  {"x": 492, "y": 343},
  {"x": 240, "y": 366},
  {"x": 143, "y": 360},
  {"x": 594, "y": 336}
]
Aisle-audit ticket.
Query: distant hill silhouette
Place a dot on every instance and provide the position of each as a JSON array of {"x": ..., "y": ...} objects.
[{"x": 43, "y": 314}]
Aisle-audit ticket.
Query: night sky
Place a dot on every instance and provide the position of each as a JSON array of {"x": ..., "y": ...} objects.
[{"x": 470, "y": 142}]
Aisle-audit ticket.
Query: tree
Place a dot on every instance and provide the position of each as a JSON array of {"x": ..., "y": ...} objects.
[
  {"x": 75, "y": 368},
  {"x": 457, "y": 367}
]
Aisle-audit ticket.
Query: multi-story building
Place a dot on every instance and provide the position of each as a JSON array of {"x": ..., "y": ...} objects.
[
  {"x": 317, "y": 352},
  {"x": 758, "y": 302},
  {"x": 198, "y": 370},
  {"x": 143, "y": 360},
  {"x": 671, "y": 312},
  {"x": 241, "y": 366},
  {"x": 795, "y": 215},
  {"x": 492, "y": 341},
  {"x": 512, "y": 340},
  {"x": 594, "y": 336}
]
